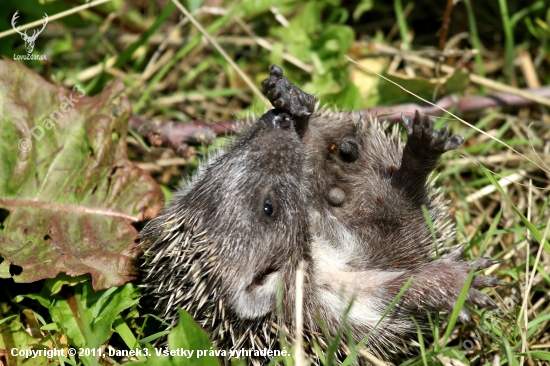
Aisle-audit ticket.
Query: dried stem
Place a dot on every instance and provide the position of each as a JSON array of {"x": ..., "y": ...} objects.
[{"x": 175, "y": 134}]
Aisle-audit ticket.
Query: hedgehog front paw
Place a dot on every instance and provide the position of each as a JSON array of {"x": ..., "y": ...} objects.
[
  {"x": 420, "y": 131},
  {"x": 286, "y": 96},
  {"x": 449, "y": 276}
]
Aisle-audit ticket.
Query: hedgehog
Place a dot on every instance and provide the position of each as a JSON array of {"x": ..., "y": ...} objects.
[{"x": 338, "y": 192}]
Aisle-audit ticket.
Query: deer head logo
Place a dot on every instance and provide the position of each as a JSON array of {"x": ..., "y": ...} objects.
[{"x": 29, "y": 40}]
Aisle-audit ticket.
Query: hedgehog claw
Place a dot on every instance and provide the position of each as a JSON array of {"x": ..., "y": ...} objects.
[
  {"x": 464, "y": 316},
  {"x": 454, "y": 142},
  {"x": 487, "y": 262},
  {"x": 407, "y": 123},
  {"x": 484, "y": 281},
  {"x": 478, "y": 298},
  {"x": 444, "y": 132}
]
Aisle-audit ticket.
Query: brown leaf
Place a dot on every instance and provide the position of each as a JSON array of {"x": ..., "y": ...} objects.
[{"x": 68, "y": 193}]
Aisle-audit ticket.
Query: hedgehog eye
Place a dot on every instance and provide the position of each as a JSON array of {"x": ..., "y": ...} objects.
[{"x": 269, "y": 210}]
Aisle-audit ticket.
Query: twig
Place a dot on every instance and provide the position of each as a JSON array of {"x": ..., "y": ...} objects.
[
  {"x": 157, "y": 166},
  {"x": 476, "y": 79},
  {"x": 149, "y": 68},
  {"x": 55, "y": 17},
  {"x": 92, "y": 71},
  {"x": 278, "y": 16},
  {"x": 450, "y": 113},
  {"x": 420, "y": 53},
  {"x": 505, "y": 181},
  {"x": 523, "y": 329},
  {"x": 463, "y": 105},
  {"x": 179, "y": 135},
  {"x": 528, "y": 69},
  {"x": 299, "y": 359},
  {"x": 172, "y": 134},
  {"x": 444, "y": 30}
]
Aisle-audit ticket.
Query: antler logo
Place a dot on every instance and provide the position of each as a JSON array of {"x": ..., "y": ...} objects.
[{"x": 29, "y": 40}]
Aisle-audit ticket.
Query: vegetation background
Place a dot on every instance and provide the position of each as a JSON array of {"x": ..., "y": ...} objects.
[{"x": 171, "y": 73}]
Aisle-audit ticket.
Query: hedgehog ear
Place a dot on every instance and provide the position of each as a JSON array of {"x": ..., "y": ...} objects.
[{"x": 259, "y": 297}]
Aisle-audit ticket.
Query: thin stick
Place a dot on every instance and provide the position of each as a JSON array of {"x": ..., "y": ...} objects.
[
  {"x": 299, "y": 359},
  {"x": 505, "y": 181},
  {"x": 55, "y": 17},
  {"x": 213, "y": 42},
  {"x": 525, "y": 295},
  {"x": 444, "y": 30},
  {"x": 451, "y": 114},
  {"x": 476, "y": 79},
  {"x": 162, "y": 47}
]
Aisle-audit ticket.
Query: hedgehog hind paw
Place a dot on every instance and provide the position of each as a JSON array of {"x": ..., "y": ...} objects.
[{"x": 286, "y": 96}]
